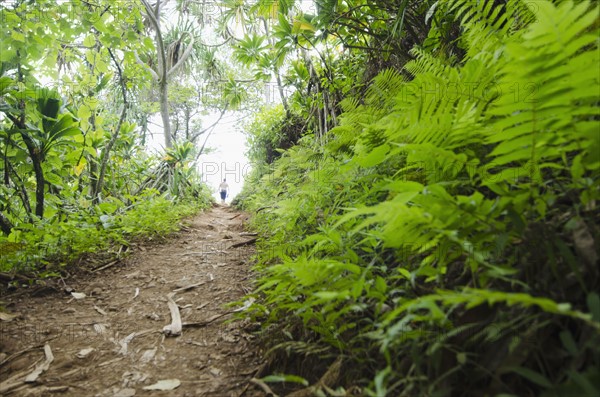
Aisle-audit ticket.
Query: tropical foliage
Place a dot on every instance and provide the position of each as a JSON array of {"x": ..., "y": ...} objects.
[
  {"x": 439, "y": 241},
  {"x": 425, "y": 179},
  {"x": 76, "y": 177}
]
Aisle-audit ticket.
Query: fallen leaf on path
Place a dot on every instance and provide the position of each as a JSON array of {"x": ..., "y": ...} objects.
[
  {"x": 125, "y": 393},
  {"x": 167, "y": 384},
  {"x": 83, "y": 353},
  {"x": 173, "y": 329},
  {"x": 8, "y": 317},
  {"x": 134, "y": 377},
  {"x": 78, "y": 295},
  {"x": 189, "y": 286},
  {"x": 217, "y": 265},
  {"x": 148, "y": 355},
  {"x": 41, "y": 368},
  {"x": 56, "y": 389},
  {"x": 153, "y": 316},
  {"x": 229, "y": 338},
  {"x": 100, "y": 310},
  {"x": 124, "y": 342},
  {"x": 105, "y": 363},
  {"x": 247, "y": 303},
  {"x": 132, "y": 275},
  {"x": 192, "y": 342}
]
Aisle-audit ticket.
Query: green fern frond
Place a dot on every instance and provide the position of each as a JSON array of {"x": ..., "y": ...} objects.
[
  {"x": 384, "y": 88},
  {"x": 550, "y": 88},
  {"x": 426, "y": 63}
]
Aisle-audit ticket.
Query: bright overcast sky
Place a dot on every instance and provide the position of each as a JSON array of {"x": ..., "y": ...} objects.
[{"x": 227, "y": 160}]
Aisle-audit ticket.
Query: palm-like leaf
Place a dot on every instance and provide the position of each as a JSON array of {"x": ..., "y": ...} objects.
[
  {"x": 250, "y": 49},
  {"x": 55, "y": 126},
  {"x": 233, "y": 93},
  {"x": 177, "y": 40}
]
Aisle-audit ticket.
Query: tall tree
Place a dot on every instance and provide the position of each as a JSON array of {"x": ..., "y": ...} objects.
[{"x": 170, "y": 58}]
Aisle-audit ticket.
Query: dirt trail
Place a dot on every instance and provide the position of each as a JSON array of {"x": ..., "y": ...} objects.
[{"x": 122, "y": 318}]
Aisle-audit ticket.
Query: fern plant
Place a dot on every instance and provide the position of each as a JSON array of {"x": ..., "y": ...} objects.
[{"x": 445, "y": 246}]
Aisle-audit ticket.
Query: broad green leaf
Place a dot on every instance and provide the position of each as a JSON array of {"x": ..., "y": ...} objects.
[
  {"x": 380, "y": 284},
  {"x": 84, "y": 112},
  {"x": 376, "y": 156},
  {"x": 78, "y": 169},
  {"x": 532, "y": 376},
  {"x": 18, "y": 36},
  {"x": 593, "y": 302},
  {"x": 331, "y": 295},
  {"x": 53, "y": 178},
  {"x": 405, "y": 273},
  {"x": 568, "y": 342},
  {"x": 89, "y": 41},
  {"x": 5, "y": 83}
]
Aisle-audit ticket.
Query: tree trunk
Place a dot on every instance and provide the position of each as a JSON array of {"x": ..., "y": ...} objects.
[
  {"x": 187, "y": 115},
  {"x": 37, "y": 159},
  {"x": 36, "y": 154},
  {"x": 22, "y": 191},
  {"x": 276, "y": 71},
  {"x": 111, "y": 143},
  {"x": 6, "y": 164},
  {"x": 164, "y": 112},
  {"x": 281, "y": 93},
  {"x": 162, "y": 75},
  {"x": 5, "y": 225},
  {"x": 40, "y": 183}
]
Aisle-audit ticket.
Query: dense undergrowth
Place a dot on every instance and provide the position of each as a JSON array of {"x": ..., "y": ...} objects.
[
  {"x": 442, "y": 239},
  {"x": 76, "y": 176},
  {"x": 45, "y": 249}
]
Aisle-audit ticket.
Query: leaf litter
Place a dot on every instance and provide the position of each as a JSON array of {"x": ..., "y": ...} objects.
[{"x": 110, "y": 344}]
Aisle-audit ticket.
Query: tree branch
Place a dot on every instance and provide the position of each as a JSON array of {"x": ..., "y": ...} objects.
[
  {"x": 208, "y": 135},
  {"x": 145, "y": 65},
  {"x": 162, "y": 60},
  {"x": 183, "y": 58},
  {"x": 5, "y": 225},
  {"x": 113, "y": 139},
  {"x": 21, "y": 189}
]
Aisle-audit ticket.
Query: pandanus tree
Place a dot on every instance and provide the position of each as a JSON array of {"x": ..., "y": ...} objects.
[{"x": 170, "y": 57}]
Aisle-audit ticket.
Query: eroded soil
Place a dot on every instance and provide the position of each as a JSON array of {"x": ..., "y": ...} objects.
[{"x": 111, "y": 342}]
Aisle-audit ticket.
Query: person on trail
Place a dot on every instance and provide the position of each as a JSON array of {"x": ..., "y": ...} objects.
[{"x": 223, "y": 190}]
